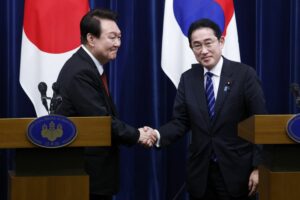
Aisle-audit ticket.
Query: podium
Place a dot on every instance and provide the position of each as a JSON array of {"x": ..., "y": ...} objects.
[
  {"x": 280, "y": 174},
  {"x": 48, "y": 174}
]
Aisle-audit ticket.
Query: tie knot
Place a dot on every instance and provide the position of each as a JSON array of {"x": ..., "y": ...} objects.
[
  {"x": 103, "y": 75},
  {"x": 209, "y": 74}
]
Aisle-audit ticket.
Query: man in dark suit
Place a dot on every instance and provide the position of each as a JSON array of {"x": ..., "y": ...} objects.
[
  {"x": 83, "y": 87},
  {"x": 212, "y": 98}
]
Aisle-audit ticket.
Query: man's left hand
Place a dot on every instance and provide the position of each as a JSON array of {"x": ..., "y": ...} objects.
[{"x": 253, "y": 182}]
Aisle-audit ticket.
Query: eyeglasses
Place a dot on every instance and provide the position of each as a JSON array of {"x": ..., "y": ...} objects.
[{"x": 197, "y": 46}]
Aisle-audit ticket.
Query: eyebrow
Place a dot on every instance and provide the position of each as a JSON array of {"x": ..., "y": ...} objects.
[
  {"x": 115, "y": 32},
  {"x": 206, "y": 40}
]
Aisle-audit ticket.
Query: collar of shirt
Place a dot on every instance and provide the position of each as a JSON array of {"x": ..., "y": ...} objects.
[
  {"x": 96, "y": 62},
  {"x": 216, "y": 70}
]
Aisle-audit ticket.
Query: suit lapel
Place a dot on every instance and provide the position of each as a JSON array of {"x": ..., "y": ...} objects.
[
  {"x": 108, "y": 99},
  {"x": 198, "y": 84},
  {"x": 224, "y": 87}
]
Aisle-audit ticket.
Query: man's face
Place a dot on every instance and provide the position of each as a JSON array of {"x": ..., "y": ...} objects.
[
  {"x": 105, "y": 47},
  {"x": 206, "y": 47}
]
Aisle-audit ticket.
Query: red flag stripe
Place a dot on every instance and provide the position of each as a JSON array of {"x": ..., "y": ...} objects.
[{"x": 53, "y": 26}]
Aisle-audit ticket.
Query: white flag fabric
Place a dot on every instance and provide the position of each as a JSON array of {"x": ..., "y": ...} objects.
[
  {"x": 51, "y": 34},
  {"x": 177, "y": 56}
]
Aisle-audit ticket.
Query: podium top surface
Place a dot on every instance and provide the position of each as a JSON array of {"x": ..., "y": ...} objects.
[
  {"x": 91, "y": 131},
  {"x": 265, "y": 129}
]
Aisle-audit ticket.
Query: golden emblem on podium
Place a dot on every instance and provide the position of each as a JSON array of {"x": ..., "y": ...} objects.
[{"x": 52, "y": 132}]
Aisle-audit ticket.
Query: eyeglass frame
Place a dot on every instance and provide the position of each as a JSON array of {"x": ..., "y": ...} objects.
[{"x": 208, "y": 44}]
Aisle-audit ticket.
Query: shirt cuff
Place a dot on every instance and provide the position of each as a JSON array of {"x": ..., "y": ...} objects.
[{"x": 157, "y": 144}]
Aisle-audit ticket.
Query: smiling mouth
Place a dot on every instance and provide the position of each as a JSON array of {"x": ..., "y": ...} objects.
[
  {"x": 206, "y": 58},
  {"x": 114, "y": 51}
]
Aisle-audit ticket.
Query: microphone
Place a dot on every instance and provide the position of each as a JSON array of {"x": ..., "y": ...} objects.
[
  {"x": 43, "y": 89},
  {"x": 56, "y": 99},
  {"x": 296, "y": 92}
]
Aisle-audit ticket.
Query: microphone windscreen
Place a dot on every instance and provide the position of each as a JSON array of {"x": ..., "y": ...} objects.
[
  {"x": 42, "y": 87},
  {"x": 55, "y": 87}
]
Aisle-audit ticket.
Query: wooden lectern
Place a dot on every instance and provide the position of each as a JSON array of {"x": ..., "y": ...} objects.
[
  {"x": 280, "y": 173},
  {"x": 51, "y": 174}
]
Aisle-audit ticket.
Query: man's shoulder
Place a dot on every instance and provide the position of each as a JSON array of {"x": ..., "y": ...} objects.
[
  {"x": 236, "y": 66},
  {"x": 196, "y": 67},
  {"x": 192, "y": 72},
  {"x": 78, "y": 61},
  {"x": 78, "y": 56},
  {"x": 76, "y": 65}
]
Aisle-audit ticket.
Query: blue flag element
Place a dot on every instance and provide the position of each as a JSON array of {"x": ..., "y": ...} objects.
[{"x": 188, "y": 11}]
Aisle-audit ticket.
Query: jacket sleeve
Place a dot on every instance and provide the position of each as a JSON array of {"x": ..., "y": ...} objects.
[
  {"x": 180, "y": 122},
  {"x": 255, "y": 102},
  {"x": 86, "y": 97}
]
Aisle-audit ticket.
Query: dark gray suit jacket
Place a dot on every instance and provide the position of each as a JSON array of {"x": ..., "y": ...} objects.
[
  {"x": 84, "y": 95},
  {"x": 239, "y": 96}
]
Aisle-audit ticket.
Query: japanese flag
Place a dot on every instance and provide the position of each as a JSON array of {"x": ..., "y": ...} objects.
[{"x": 51, "y": 34}]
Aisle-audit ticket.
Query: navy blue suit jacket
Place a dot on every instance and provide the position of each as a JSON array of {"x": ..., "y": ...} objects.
[{"x": 239, "y": 97}]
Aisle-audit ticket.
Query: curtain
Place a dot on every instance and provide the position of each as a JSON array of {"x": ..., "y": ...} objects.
[{"x": 269, "y": 41}]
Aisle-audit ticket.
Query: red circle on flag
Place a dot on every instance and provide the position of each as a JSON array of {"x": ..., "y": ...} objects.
[
  {"x": 228, "y": 8},
  {"x": 53, "y": 25}
]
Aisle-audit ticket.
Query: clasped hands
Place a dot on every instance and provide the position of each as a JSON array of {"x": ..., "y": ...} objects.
[{"x": 148, "y": 136}]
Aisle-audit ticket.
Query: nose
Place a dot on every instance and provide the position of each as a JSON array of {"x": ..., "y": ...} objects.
[
  {"x": 117, "y": 42},
  {"x": 204, "y": 49}
]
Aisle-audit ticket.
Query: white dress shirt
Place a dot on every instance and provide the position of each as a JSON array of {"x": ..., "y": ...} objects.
[{"x": 97, "y": 63}]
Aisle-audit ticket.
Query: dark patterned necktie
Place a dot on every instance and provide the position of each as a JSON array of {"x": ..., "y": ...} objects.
[
  {"x": 104, "y": 81},
  {"x": 210, "y": 96}
]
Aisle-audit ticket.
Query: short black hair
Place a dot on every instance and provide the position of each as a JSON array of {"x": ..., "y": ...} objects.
[
  {"x": 90, "y": 22},
  {"x": 204, "y": 23}
]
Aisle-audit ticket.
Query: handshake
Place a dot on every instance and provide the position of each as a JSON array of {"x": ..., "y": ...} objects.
[{"x": 148, "y": 136}]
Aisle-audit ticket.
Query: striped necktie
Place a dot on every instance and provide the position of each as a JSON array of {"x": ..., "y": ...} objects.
[{"x": 210, "y": 96}]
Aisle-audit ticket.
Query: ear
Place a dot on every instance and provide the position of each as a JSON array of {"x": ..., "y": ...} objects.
[
  {"x": 222, "y": 41},
  {"x": 90, "y": 39}
]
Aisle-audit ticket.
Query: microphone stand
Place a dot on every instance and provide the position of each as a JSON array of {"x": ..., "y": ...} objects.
[
  {"x": 179, "y": 191},
  {"x": 296, "y": 92}
]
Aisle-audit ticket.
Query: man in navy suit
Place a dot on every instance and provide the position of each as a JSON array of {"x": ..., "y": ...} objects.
[
  {"x": 221, "y": 165},
  {"x": 83, "y": 87}
]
